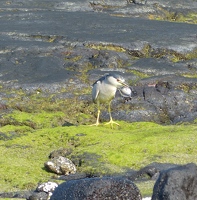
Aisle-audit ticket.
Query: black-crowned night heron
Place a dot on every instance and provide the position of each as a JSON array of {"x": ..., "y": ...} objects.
[{"x": 104, "y": 90}]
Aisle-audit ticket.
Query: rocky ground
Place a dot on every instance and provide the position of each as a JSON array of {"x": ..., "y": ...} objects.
[
  {"x": 53, "y": 44},
  {"x": 59, "y": 48}
]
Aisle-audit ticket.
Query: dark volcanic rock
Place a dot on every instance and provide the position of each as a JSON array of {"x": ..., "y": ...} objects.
[
  {"x": 177, "y": 183},
  {"x": 153, "y": 170},
  {"x": 158, "y": 67},
  {"x": 97, "y": 188},
  {"x": 50, "y": 46},
  {"x": 38, "y": 196},
  {"x": 76, "y": 176},
  {"x": 60, "y": 152},
  {"x": 19, "y": 194}
]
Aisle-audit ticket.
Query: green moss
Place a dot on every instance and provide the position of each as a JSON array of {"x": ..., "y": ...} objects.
[
  {"x": 173, "y": 16},
  {"x": 33, "y": 120},
  {"x": 110, "y": 47},
  {"x": 73, "y": 58},
  {"x": 102, "y": 6},
  {"x": 186, "y": 87},
  {"x": 192, "y": 75},
  {"x": 38, "y": 110},
  {"x": 139, "y": 74},
  {"x": 146, "y": 187},
  {"x": 51, "y": 38},
  {"x": 173, "y": 56},
  {"x": 12, "y": 198},
  {"x": 191, "y": 55},
  {"x": 190, "y": 18},
  {"x": 146, "y": 50},
  {"x": 101, "y": 150}
]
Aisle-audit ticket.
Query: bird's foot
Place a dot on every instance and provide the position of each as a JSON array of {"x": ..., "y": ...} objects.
[{"x": 111, "y": 122}]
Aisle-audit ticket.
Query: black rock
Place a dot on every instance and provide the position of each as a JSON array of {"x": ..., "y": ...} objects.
[
  {"x": 149, "y": 172},
  {"x": 177, "y": 183},
  {"x": 76, "y": 176},
  {"x": 38, "y": 196},
  {"x": 153, "y": 170},
  {"x": 97, "y": 188},
  {"x": 60, "y": 152},
  {"x": 18, "y": 194}
]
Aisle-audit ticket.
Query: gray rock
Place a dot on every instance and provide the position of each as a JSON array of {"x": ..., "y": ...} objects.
[
  {"x": 177, "y": 183},
  {"x": 158, "y": 67},
  {"x": 97, "y": 188},
  {"x": 19, "y": 194},
  {"x": 38, "y": 196},
  {"x": 60, "y": 165}
]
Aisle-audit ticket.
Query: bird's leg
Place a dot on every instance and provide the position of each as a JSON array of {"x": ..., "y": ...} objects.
[
  {"x": 98, "y": 115},
  {"x": 97, "y": 119},
  {"x": 111, "y": 122}
]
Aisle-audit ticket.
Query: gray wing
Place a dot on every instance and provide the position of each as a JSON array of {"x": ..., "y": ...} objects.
[{"x": 95, "y": 91}]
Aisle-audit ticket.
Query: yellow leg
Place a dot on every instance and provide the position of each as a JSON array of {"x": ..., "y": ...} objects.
[
  {"x": 111, "y": 122},
  {"x": 98, "y": 115},
  {"x": 97, "y": 119}
]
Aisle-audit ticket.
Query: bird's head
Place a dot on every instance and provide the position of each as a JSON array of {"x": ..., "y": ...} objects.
[{"x": 116, "y": 80}]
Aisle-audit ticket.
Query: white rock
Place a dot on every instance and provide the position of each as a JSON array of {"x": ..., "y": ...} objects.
[
  {"x": 47, "y": 187},
  {"x": 61, "y": 165}
]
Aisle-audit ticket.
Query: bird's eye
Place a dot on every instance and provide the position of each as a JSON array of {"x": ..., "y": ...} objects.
[{"x": 118, "y": 79}]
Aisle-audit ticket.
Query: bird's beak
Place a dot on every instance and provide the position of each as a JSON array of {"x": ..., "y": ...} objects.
[
  {"x": 126, "y": 85},
  {"x": 123, "y": 83}
]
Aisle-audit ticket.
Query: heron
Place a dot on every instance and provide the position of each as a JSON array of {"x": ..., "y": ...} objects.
[{"x": 104, "y": 90}]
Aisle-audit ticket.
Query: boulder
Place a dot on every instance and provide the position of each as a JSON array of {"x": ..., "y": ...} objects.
[
  {"x": 60, "y": 165},
  {"x": 177, "y": 183},
  {"x": 47, "y": 187},
  {"x": 97, "y": 188}
]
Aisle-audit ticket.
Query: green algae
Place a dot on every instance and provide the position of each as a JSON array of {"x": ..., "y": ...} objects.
[
  {"x": 40, "y": 110},
  {"x": 149, "y": 52},
  {"x": 164, "y": 14},
  {"x": 34, "y": 120},
  {"x": 193, "y": 75},
  {"x": 145, "y": 187},
  {"x": 139, "y": 74},
  {"x": 101, "y": 150},
  {"x": 190, "y": 18},
  {"x": 106, "y": 46}
]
